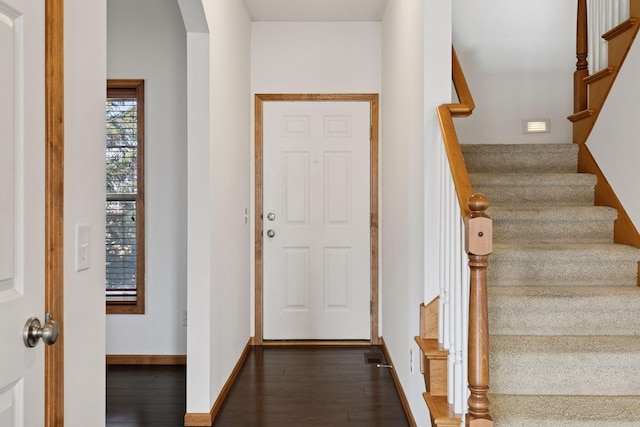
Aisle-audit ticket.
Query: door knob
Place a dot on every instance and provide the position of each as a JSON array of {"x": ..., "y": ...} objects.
[
  {"x": 271, "y": 233},
  {"x": 33, "y": 331}
]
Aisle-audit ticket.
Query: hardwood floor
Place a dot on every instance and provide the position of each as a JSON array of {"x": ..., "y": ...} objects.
[
  {"x": 277, "y": 386},
  {"x": 146, "y": 395}
]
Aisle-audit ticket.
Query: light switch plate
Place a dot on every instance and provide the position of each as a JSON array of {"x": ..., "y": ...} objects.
[{"x": 83, "y": 248}]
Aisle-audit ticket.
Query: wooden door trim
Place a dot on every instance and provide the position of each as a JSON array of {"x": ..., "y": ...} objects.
[
  {"x": 373, "y": 100},
  {"x": 54, "y": 213}
]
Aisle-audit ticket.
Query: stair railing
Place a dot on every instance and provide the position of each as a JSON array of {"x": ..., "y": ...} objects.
[
  {"x": 602, "y": 15},
  {"x": 466, "y": 234},
  {"x": 595, "y": 17}
]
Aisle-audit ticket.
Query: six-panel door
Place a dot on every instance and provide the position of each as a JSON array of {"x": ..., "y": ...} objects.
[
  {"x": 316, "y": 220},
  {"x": 22, "y": 145}
]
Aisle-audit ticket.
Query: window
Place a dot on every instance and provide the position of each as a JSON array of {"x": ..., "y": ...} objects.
[{"x": 125, "y": 196}]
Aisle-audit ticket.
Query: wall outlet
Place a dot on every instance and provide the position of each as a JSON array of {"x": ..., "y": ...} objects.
[
  {"x": 184, "y": 317},
  {"x": 411, "y": 360}
]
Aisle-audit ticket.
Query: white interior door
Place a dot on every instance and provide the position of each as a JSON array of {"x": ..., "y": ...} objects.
[
  {"x": 316, "y": 220},
  {"x": 22, "y": 145}
]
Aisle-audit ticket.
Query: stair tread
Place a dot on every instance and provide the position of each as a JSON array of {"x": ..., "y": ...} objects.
[
  {"x": 532, "y": 179},
  {"x": 546, "y": 224},
  {"x": 564, "y": 310},
  {"x": 519, "y": 148},
  {"x": 553, "y": 213},
  {"x": 614, "y": 292},
  {"x": 619, "y": 29},
  {"x": 563, "y": 252},
  {"x": 441, "y": 412},
  {"x": 539, "y": 345},
  {"x": 565, "y": 364},
  {"x": 600, "y": 75},
  {"x": 565, "y": 411},
  {"x": 431, "y": 348},
  {"x": 619, "y": 296},
  {"x": 581, "y": 115}
]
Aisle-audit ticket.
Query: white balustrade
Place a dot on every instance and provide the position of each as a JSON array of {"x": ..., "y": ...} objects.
[
  {"x": 603, "y": 15},
  {"x": 454, "y": 290}
]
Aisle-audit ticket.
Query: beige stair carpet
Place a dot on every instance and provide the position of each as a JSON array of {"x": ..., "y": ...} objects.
[{"x": 564, "y": 305}]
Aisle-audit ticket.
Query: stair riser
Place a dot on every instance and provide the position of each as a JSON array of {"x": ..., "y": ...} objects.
[
  {"x": 568, "y": 374},
  {"x": 597, "y": 91},
  {"x": 587, "y": 273},
  {"x": 524, "y": 163},
  {"x": 532, "y": 317},
  {"x": 617, "y": 47},
  {"x": 521, "y": 158},
  {"x": 557, "y": 195},
  {"x": 564, "y": 411},
  {"x": 552, "y": 231}
]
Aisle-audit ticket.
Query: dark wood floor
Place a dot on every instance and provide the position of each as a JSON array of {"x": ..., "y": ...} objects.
[
  {"x": 145, "y": 396},
  {"x": 277, "y": 386}
]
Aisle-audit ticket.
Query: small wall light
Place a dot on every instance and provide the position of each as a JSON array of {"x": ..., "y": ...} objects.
[{"x": 536, "y": 126}]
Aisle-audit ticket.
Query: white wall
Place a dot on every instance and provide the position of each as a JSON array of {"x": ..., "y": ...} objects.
[
  {"x": 416, "y": 57},
  {"x": 218, "y": 188},
  {"x": 312, "y": 57},
  {"x": 315, "y": 57},
  {"x": 84, "y": 319},
  {"x": 519, "y": 58},
  {"x": 146, "y": 39},
  {"x": 230, "y": 63},
  {"x": 614, "y": 138}
]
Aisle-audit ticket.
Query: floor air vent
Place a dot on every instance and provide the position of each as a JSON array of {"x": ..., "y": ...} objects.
[{"x": 376, "y": 358}]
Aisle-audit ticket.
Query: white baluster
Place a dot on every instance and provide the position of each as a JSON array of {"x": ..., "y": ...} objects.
[
  {"x": 602, "y": 16},
  {"x": 454, "y": 290},
  {"x": 625, "y": 10},
  {"x": 441, "y": 281},
  {"x": 465, "y": 285},
  {"x": 451, "y": 199},
  {"x": 593, "y": 55},
  {"x": 599, "y": 25},
  {"x": 614, "y": 10},
  {"x": 460, "y": 381},
  {"x": 606, "y": 24}
]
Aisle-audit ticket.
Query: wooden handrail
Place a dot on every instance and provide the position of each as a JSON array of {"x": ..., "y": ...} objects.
[
  {"x": 582, "y": 66},
  {"x": 446, "y": 113},
  {"x": 456, "y": 161},
  {"x": 466, "y": 105},
  {"x": 478, "y": 242}
]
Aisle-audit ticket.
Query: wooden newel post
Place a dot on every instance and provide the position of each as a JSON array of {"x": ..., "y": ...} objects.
[{"x": 478, "y": 245}]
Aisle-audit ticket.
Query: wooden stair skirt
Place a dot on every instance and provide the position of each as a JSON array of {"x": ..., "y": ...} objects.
[{"x": 433, "y": 365}]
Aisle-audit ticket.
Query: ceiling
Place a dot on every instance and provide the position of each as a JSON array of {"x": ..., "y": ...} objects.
[{"x": 315, "y": 10}]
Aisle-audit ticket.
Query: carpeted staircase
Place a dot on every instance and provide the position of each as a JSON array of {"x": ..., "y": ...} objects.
[{"x": 564, "y": 302}]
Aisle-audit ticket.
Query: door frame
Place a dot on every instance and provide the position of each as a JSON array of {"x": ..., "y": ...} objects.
[
  {"x": 54, "y": 212},
  {"x": 373, "y": 100}
]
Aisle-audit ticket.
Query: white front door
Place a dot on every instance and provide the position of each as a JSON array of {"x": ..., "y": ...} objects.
[
  {"x": 22, "y": 146},
  {"x": 316, "y": 220}
]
